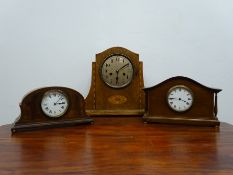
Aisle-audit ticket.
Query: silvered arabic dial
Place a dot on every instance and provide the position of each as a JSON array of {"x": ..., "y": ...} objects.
[
  {"x": 117, "y": 71},
  {"x": 180, "y": 98},
  {"x": 54, "y": 103}
]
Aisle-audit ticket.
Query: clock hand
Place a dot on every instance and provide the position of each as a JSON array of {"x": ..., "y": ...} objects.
[
  {"x": 178, "y": 99},
  {"x": 117, "y": 71},
  {"x": 58, "y": 101},
  {"x": 61, "y": 103},
  {"x": 123, "y": 67},
  {"x": 183, "y": 100},
  {"x": 117, "y": 80}
]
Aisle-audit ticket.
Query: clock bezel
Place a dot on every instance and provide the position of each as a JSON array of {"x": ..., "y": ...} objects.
[
  {"x": 183, "y": 87},
  {"x": 117, "y": 87},
  {"x": 64, "y": 112}
]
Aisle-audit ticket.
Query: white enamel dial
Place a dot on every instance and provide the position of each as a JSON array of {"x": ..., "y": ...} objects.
[
  {"x": 54, "y": 103},
  {"x": 117, "y": 71},
  {"x": 180, "y": 98}
]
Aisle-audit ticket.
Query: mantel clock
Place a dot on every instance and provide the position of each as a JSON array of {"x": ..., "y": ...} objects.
[
  {"x": 51, "y": 107},
  {"x": 117, "y": 82},
  {"x": 181, "y": 100}
]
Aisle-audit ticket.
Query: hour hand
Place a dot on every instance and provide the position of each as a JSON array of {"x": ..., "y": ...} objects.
[
  {"x": 116, "y": 80},
  {"x": 183, "y": 100}
]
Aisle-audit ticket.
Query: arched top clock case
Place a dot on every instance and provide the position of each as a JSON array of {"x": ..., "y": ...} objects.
[
  {"x": 117, "y": 82},
  {"x": 51, "y": 107},
  {"x": 181, "y": 100}
]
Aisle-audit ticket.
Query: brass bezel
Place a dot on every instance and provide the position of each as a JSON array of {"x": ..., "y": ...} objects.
[
  {"x": 57, "y": 91},
  {"x": 108, "y": 84},
  {"x": 183, "y": 87}
]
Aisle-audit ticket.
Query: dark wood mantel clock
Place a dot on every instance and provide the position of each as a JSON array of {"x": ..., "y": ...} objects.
[
  {"x": 181, "y": 100},
  {"x": 117, "y": 82},
  {"x": 51, "y": 107}
]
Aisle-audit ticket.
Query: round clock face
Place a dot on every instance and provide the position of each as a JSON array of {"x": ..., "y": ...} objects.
[
  {"x": 117, "y": 71},
  {"x": 54, "y": 103},
  {"x": 180, "y": 98}
]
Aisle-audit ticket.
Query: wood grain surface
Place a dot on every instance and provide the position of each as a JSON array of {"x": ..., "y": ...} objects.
[{"x": 120, "y": 145}]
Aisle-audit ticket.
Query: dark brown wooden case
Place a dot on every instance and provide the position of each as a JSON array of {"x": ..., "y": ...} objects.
[
  {"x": 105, "y": 100},
  {"x": 202, "y": 112},
  {"x": 32, "y": 116}
]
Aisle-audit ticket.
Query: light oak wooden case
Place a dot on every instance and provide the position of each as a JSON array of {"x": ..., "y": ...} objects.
[{"x": 105, "y": 100}]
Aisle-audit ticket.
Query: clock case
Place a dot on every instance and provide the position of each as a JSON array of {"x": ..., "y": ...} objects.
[
  {"x": 32, "y": 116},
  {"x": 202, "y": 112},
  {"x": 105, "y": 100}
]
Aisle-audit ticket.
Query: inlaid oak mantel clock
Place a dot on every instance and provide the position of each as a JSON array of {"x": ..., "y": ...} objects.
[
  {"x": 117, "y": 82},
  {"x": 181, "y": 100},
  {"x": 51, "y": 107}
]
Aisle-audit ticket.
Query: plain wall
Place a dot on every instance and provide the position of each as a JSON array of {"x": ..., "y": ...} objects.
[{"x": 53, "y": 42}]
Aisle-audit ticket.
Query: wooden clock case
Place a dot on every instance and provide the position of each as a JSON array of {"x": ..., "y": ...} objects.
[
  {"x": 105, "y": 100},
  {"x": 202, "y": 112},
  {"x": 32, "y": 116}
]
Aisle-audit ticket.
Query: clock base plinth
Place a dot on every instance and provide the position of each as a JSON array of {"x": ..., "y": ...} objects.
[
  {"x": 114, "y": 112},
  {"x": 46, "y": 125},
  {"x": 184, "y": 121}
]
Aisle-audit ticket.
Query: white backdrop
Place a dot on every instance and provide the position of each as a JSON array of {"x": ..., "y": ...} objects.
[{"x": 53, "y": 42}]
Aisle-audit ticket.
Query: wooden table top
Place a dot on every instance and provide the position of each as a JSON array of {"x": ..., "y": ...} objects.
[{"x": 120, "y": 145}]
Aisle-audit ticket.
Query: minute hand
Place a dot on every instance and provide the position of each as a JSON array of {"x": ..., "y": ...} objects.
[{"x": 123, "y": 67}]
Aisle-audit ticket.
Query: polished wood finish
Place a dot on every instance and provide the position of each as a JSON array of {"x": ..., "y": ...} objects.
[
  {"x": 104, "y": 100},
  {"x": 202, "y": 112},
  {"x": 32, "y": 116},
  {"x": 118, "y": 146}
]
